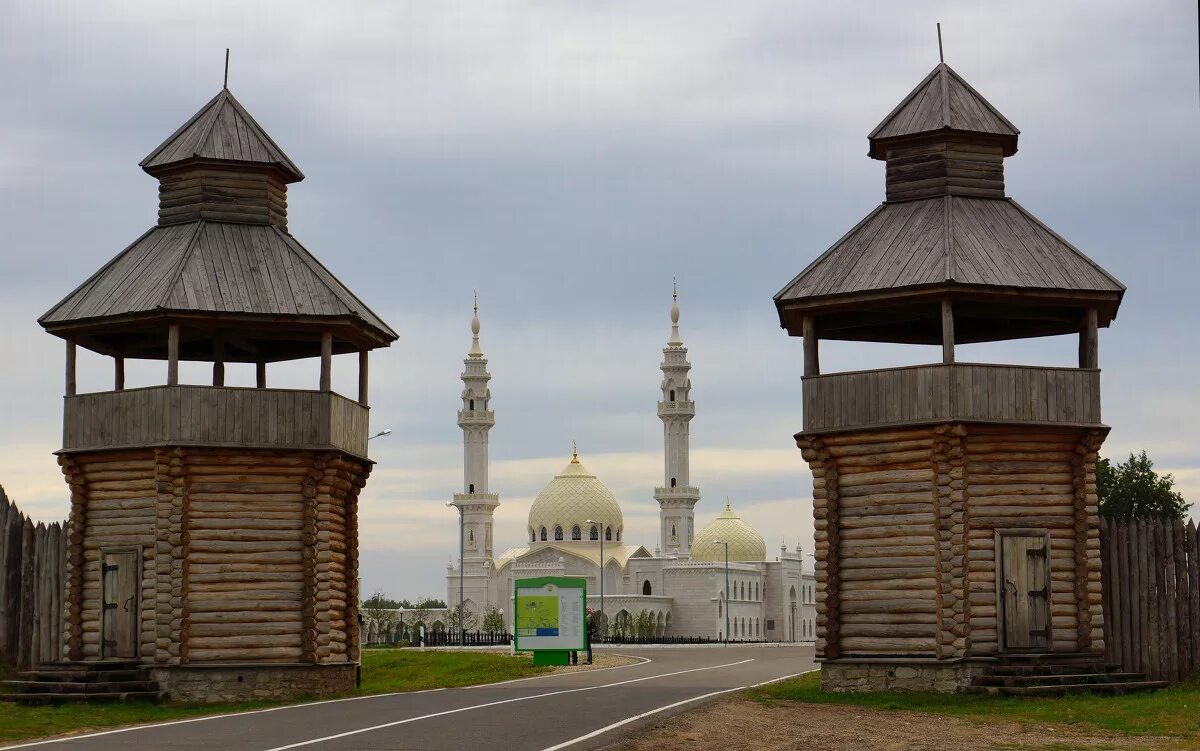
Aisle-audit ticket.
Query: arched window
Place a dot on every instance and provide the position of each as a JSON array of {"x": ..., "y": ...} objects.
[
  {"x": 646, "y": 587},
  {"x": 618, "y": 534},
  {"x": 472, "y": 407},
  {"x": 471, "y": 488},
  {"x": 532, "y": 535},
  {"x": 471, "y": 536},
  {"x": 608, "y": 533},
  {"x": 575, "y": 533},
  {"x": 672, "y": 394},
  {"x": 672, "y": 482},
  {"x": 756, "y": 590},
  {"x": 543, "y": 534},
  {"x": 594, "y": 534},
  {"x": 558, "y": 533},
  {"x": 720, "y": 608},
  {"x": 673, "y": 532}
]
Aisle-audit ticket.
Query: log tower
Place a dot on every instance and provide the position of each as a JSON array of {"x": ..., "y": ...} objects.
[
  {"x": 955, "y": 503},
  {"x": 213, "y": 534}
]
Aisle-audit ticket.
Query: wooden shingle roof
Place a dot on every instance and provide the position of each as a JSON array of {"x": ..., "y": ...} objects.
[
  {"x": 222, "y": 131},
  {"x": 943, "y": 101},
  {"x": 216, "y": 268},
  {"x": 949, "y": 240}
]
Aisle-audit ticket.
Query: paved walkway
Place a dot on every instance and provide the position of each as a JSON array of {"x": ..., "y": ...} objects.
[{"x": 544, "y": 713}]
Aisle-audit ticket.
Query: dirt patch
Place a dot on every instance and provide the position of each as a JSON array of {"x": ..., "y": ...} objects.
[
  {"x": 599, "y": 660},
  {"x": 742, "y": 725}
]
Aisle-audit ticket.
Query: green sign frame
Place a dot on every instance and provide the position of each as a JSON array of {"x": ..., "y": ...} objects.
[{"x": 541, "y": 629}]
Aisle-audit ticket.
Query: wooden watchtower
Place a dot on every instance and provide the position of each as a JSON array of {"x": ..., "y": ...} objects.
[
  {"x": 955, "y": 502},
  {"x": 213, "y": 533}
]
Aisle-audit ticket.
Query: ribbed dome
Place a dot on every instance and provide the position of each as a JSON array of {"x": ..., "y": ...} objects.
[
  {"x": 571, "y": 498},
  {"x": 745, "y": 544}
]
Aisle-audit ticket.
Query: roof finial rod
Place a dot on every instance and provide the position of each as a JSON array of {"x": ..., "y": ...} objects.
[
  {"x": 226, "y": 84},
  {"x": 941, "y": 57},
  {"x": 574, "y": 452}
]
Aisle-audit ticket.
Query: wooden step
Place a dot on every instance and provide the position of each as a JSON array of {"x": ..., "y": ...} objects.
[
  {"x": 1117, "y": 687},
  {"x": 1073, "y": 668},
  {"x": 1056, "y": 679},
  {"x": 69, "y": 687},
  {"x": 61, "y": 698},
  {"x": 97, "y": 665},
  {"x": 83, "y": 676}
]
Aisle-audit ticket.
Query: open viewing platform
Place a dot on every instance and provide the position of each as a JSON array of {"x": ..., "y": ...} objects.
[
  {"x": 215, "y": 416},
  {"x": 948, "y": 392}
]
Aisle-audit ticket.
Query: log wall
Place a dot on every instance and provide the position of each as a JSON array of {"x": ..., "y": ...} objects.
[
  {"x": 1152, "y": 596},
  {"x": 906, "y": 523},
  {"x": 247, "y": 556},
  {"x": 31, "y": 588}
]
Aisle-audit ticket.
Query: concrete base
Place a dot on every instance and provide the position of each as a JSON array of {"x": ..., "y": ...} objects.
[
  {"x": 862, "y": 675},
  {"x": 226, "y": 683}
]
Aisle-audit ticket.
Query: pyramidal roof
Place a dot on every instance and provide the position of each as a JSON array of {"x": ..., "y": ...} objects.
[
  {"x": 943, "y": 100},
  {"x": 222, "y": 131}
]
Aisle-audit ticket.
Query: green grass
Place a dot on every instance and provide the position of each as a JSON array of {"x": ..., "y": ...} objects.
[
  {"x": 384, "y": 671},
  {"x": 1170, "y": 712}
]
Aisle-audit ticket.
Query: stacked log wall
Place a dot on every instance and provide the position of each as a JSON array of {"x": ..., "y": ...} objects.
[
  {"x": 247, "y": 555},
  {"x": 1041, "y": 479},
  {"x": 120, "y": 511},
  {"x": 905, "y": 535}
]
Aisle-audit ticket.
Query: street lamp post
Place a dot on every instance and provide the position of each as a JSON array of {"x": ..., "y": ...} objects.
[
  {"x": 721, "y": 542},
  {"x": 462, "y": 629},
  {"x": 602, "y": 623},
  {"x": 380, "y": 434}
]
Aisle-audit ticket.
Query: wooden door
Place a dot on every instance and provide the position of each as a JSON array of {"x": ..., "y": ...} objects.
[
  {"x": 1025, "y": 592},
  {"x": 120, "y": 576}
]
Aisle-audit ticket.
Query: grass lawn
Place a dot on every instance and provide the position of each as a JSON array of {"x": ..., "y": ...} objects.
[
  {"x": 384, "y": 671},
  {"x": 1174, "y": 711}
]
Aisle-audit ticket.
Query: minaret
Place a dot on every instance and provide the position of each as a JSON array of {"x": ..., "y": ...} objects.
[
  {"x": 475, "y": 502},
  {"x": 676, "y": 498}
]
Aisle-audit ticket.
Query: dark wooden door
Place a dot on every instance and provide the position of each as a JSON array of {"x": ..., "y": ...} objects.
[
  {"x": 1025, "y": 592},
  {"x": 119, "y": 622}
]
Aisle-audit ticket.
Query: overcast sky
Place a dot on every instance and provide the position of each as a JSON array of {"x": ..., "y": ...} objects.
[{"x": 567, "y": 160}]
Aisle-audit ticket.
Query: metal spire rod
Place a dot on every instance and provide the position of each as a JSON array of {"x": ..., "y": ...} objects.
[
  {"x": 941, "y": 57},
  {"x": 226, "y": 84}
]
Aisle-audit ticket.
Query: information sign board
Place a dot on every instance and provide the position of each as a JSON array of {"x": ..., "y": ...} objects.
[{"x": 550, "y": 613}]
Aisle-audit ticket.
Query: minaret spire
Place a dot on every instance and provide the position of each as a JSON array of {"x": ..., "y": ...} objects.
[
  {"x": 676, "y": 498},
  {"x": 476, "y": 420}
]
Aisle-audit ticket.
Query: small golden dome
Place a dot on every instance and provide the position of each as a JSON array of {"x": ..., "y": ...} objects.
[{"x": 745, "y": 544}]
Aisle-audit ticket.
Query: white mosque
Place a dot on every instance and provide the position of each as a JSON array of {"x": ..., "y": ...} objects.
[{"x": 575, "y": 528}]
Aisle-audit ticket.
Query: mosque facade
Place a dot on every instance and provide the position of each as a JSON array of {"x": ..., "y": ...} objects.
[{"x": 575, "y": 527}]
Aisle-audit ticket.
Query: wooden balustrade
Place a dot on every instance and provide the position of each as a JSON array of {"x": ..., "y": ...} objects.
[
  {"x": 215, "y": 416},
  {"x": 959, "y": 391}
]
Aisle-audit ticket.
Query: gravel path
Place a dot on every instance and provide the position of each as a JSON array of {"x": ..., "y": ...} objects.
[{"x": 743, "y": 725}]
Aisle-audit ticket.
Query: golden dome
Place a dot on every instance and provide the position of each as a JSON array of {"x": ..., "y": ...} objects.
[
  {"x": 569, "y": 500},
  {"x": 745, "y": 544}
]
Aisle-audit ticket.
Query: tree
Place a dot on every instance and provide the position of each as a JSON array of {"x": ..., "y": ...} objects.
[
  {"x": 379, "y": 610},
  {"x": 429, "y": 603},
  {"x": 1133, "y": 489},
  {"x": 493, "y": 620},
  {"x": 470, "y": 620}
]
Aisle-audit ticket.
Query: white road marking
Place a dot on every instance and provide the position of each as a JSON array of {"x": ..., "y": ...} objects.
[
  {"x": 664, "y": 708},
  {"x": 131, "y": 728},
  {"x": 498, "y": 703}
]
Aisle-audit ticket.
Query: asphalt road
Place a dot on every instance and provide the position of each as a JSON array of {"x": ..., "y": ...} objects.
[{"x": 575, "y": 710}]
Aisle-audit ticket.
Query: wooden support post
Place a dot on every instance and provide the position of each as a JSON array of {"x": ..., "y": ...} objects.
[
  {"x": 947, "y": 332},
  {"x": 70, "y": 384},
  {"x": 362, "y": 377},
  {"x": 173, "y": 354},
  {"x": 326, "y": 361},
  {"x": 1089, "y": 341},
  {"x": 260, "y": 374},
  {"x": 218, "y": 361},
  {"x": 119, "y": 373},
  {"x": 812, "y": 362}
]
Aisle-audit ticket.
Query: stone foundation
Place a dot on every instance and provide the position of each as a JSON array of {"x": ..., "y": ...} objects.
[
  {"x": 228, "y": 683},
  {"x": 856, "y": 676}
]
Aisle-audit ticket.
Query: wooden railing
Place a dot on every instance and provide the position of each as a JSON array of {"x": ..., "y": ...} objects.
[
  {"x": 214, "y": 416},
  {"x": 929, "y": 393}
]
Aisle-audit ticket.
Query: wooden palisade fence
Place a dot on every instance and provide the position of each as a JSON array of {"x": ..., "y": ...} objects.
[
  {"x": 32, "y": 567},
  {"x": 1152, "y": 596}
]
